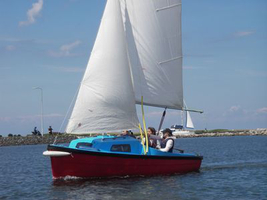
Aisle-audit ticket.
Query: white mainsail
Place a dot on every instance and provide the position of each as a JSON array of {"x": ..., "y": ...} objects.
[
  {"x": 105, "y": 102},
  {"x": 153, "y": 30},
  {"x": 137, "y": 52}
]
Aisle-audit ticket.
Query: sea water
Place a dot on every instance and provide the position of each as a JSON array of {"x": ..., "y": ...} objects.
[{"x": 232, "y": 168}]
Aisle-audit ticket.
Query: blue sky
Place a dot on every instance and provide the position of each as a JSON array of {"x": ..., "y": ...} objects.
[{"x": 47, "y": 43}]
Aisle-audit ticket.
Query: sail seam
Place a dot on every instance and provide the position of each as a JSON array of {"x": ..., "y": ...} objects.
[
  {"x": 168, "y": 7},
  {"x": 165, "y": 61}
]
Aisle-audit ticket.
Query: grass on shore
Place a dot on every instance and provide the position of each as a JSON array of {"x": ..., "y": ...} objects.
[{"x": 218, "y": 131}]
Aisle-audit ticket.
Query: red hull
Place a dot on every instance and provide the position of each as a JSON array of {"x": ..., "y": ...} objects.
[{"x": 104, "y": 165}]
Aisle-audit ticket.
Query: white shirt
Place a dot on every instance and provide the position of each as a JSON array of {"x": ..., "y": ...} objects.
[{"x": 168, "y": 146}]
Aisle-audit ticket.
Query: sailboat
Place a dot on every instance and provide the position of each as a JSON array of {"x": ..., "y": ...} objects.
[
  {"x": 136, "y": 59},
  {"x": 186, "y": 127}
]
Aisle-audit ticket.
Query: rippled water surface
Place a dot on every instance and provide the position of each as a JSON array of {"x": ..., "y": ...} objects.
[{"x": 232, "y": 168}]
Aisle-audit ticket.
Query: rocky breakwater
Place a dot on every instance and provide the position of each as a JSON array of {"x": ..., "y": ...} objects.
[
  {"x": 32, "y": 140},
  {"x": 250, "y": 132}
]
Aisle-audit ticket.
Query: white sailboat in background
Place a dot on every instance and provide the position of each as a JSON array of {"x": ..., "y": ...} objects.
[{"x": 186, "y": 128}]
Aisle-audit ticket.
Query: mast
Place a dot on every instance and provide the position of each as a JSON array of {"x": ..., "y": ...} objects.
[{"x": 182, "y": 118}]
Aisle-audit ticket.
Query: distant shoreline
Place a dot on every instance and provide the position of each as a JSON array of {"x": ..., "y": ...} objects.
[
  {"x": 228, "y": 133},
  {"x": 64, "y": 138},
  {"x": 33, "y": 140}
]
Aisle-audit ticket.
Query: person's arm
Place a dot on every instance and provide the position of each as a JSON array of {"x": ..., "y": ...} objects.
[{"x": 169, "y": 145}]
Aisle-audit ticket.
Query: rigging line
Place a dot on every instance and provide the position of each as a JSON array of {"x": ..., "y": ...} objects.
[
  {"x": 67, "y": 113},
  {"x": 162, "y": 119},
  {"x": 182, "y": 115},
  {"x": 69, "y": 108}
]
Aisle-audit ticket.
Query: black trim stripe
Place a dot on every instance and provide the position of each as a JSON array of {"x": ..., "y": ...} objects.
[{"x": 66, "y": 149}]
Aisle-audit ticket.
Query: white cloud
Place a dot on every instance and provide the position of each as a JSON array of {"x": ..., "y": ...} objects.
[
  {"x": 262, "y": 110},
  {"x": 5, "y": 119},
  {"x": 234, "y": 36},
  {"x": 68, "y": 47},
  {"x": 33, "y": 13},
  {"x": 65, "y": 50},
  {"x": 243, "y": 33},
  {"x": 234, "y": 108},
  {"x": 238, "y": 112}
]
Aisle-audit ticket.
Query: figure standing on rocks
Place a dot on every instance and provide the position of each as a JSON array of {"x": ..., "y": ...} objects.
[
  {"x": 35, "y": 131},
  {"x": 50, "y": 130}
]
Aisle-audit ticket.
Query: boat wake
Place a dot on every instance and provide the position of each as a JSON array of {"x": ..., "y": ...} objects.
[
  {"x": 232, "y": 165},
  {"x": 78, "y": 181},
  {"x": 67, "y": 178},
  {"x": 75, "y": 178}
]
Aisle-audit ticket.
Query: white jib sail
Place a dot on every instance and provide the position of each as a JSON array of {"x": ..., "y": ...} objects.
[
  {"x": 189, "y": 122},
  {"x": 153, "y": 32},
  {"x": 106, "y": 102}
]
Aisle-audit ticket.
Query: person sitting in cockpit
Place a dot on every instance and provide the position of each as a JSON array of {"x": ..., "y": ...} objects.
[{"x": 167, "y": 143}]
